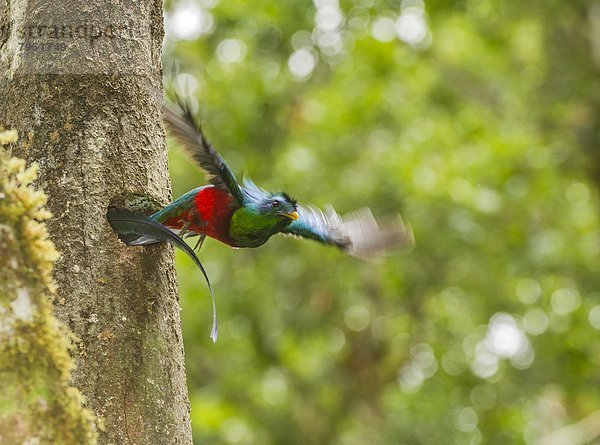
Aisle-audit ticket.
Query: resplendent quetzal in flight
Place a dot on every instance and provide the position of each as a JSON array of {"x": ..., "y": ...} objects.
[{"x": 244, "y": 215}]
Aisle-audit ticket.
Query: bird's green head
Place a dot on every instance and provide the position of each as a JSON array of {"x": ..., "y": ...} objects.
[
  {"x": 278, "y": 205},
  {"x": 262, "y": 215}
]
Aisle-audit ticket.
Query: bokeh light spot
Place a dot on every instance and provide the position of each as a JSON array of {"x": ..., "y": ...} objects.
[
  {"x": 529, "y": 290},
  {"x": 231, "y": 51},
  {"x": 357, "y": 318},
  {"x": 411, "y": 27},
  {"x": 466, "y": 420},
  {"x": 565, "y": 301},
  {"x": 578, "y": 194},
  {"x": 301, "y": 63},
  {"x": 383, "y": 29},
  {"x": 188, "y": 21},
  {"x": 274, "y": 386},
  {"x": 483, "y": 396},
  {"x": 328, "y": 18},
  {"x": 504, "y": 337},
  {"x": 594, "y": 317},
  {"x": 411, "y": 378},
  {"x": 536, "y": 321}
]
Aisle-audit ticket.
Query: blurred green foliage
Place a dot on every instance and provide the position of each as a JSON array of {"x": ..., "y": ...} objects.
[{"x": 478, "y": 120}]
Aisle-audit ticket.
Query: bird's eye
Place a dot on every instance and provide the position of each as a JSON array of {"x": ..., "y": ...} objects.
[{"x": 275, "y": 204}]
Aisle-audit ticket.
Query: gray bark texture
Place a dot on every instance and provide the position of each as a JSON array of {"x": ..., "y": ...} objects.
[{"x": 81, "y": 82}]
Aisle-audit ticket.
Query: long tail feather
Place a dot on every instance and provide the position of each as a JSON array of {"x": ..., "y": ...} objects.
[{"x": 133, "y": 227}]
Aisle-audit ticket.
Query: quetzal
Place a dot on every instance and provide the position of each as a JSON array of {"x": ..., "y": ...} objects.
[{"x": 244, "y": 215}]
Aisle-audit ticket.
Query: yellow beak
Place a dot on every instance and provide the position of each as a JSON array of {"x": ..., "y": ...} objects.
[{"x": 292, "y": 215}]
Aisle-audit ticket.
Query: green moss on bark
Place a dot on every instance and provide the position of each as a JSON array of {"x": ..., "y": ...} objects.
[{"x": 37, "y": 403}]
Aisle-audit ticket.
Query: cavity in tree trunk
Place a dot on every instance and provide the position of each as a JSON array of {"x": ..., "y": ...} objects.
[{"x": 81, "y": 82}]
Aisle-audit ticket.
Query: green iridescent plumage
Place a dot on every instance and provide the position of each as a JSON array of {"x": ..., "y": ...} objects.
[{"x": 250, "y": 227}]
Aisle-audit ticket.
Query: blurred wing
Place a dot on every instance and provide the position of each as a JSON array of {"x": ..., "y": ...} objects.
[
  {"x": 357, "y": 233},
  {"x": 180, "y": 121}
]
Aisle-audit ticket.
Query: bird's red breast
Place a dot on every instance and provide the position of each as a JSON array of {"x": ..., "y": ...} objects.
[{"x": 210, "y": 215}]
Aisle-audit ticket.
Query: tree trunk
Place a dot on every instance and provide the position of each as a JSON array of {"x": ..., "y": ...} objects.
[{"x": 81, "y": 82}]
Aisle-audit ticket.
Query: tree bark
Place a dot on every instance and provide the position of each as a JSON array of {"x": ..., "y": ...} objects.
[{"x": 81, "y": 82}]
